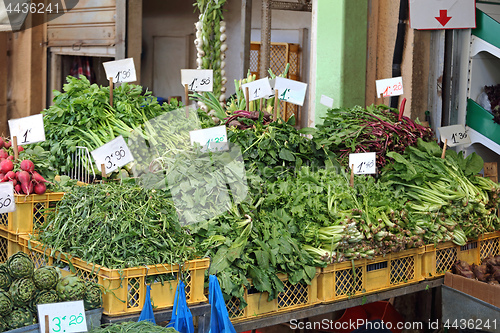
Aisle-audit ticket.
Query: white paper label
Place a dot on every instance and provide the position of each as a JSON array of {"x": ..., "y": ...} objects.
[
  {"x": 198, "y": 79},
  {"x": 7, "y": 202},
  {"x": 455, "y": 134},
  {"x": 64, "y": 317},
  {"x": 364, "y": 163},
  {"x": 326, "y": 101},
  {"x": 291, "y": 91},
  {"x": 121, "y": 70},
  {"x": 27, "y": 130},
  {"x": 258, "y": 89},
  {"x": 442, "y": 14},
  {"x": 390, "y": 87},
  {"x": 205, "y": 137},
  {"x": 114, "y": 155}
]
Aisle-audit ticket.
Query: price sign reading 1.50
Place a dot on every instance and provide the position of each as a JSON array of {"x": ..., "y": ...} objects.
[
  {"x": 364, "y": 163},
  {"x": 121, "y": 70},
  {"x": 198, "y": 79},
  {"x": 65, "y": 317},
  {"x": 7, "y": 203},
  {"x": 113, "y": 155}
]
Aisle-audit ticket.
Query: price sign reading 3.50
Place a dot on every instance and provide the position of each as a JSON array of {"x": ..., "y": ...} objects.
[
  {"x": 65, "y": 317},
  {"x": 114, "y": 155},
  {"x": 364, "y": 163},
  {"x": 198, "y": 79},
  {"x": 7, "y": 202}
]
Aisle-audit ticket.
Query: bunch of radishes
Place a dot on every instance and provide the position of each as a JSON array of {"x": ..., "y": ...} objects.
[{"x": 25, "y": 179}]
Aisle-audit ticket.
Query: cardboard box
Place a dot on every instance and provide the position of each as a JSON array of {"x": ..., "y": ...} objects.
[{"x": 480, "y": 290}]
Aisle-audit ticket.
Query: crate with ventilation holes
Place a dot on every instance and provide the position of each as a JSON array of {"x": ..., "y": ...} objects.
[
  {"x": 9, "y": 244},
  {"x": 340, "y": 281},
  {"x": 126, "y": 288},
  {"x": 294, "y": 297}
]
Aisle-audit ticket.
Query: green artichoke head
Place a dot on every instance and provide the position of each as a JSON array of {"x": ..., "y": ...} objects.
[
  {"x": 5, "y": 278},
  {"x": 46, "y": 277},
  {"x": 20, "y": 265},
  {"x": 3, "y": 325},
  {"x": 92, "y": 298},
  {"x": 19, "y": 317},
  {"x": 70, "y": 288},
  {"x": 22, "y": 291},
  {"x": 6, "y": 304},
  {"x": 43, "y": 297}
]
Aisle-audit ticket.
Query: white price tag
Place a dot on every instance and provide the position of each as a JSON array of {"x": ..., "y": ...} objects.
[
  {"x": 364, "y": 163},
  {"x": 114, "y": 155},
  {"x": 291, "y": 91},
  {"x": 258, "y": 89},
  {"x": 390, "y": 87},
  {"x": 205, "y": 137},
  {"x": 198, "y": 79},
  {"x": 27, "y": 130},
  {"x": 121, "y": 70},
  {"x": 455, "y": 134},
  {"x": 326, "y": 101},
  {"x": 7, "y": 201},
  {"x": 64, "y": 317}
]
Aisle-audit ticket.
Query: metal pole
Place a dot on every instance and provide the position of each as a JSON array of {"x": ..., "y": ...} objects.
[
  {"x": 246, "y": 30},
  {"x": 265, "y": 39}
]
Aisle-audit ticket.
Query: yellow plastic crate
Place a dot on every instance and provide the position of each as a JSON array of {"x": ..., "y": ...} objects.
[
  {"x": 349, "y": 279},
  {"x": 438, "y": 259},
  {"x": 295, "y": 296},
  {"x": 126, "y": 287},
  {"x": 30, "y": 210},
  {"x": 9, "y": 244}
]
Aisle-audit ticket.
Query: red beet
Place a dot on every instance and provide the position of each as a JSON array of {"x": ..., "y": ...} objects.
[{"x": 27, "y": 165}]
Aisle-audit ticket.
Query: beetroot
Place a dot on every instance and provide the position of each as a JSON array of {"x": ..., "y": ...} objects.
[
  {"x": 27, "y": 165},
  {"x": 6, "y": 166},
  {"x": 40, "y": 188}
]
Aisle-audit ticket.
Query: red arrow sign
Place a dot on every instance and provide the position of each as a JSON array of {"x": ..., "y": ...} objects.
[{"x": 443, "y": 17}]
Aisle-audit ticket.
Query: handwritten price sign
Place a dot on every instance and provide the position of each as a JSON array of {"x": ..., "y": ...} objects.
[
  {"x": 210, "y": 139},
  {"x": 455, "y": 134},
  {"x": 291, "y": 91},
  {"x": 27, "y": 130},
  {"x": 364, "y": 163},
  {"x": 114, "y": 155},
  {"x": 258, "y": 89},
  {"x": 198, "y": 79},
  {"x": 64, "y": 317},
  {"x": 7, "y": 202},
  {"x": 121, "y": 70},
  {"x": 390, "y": 87}
]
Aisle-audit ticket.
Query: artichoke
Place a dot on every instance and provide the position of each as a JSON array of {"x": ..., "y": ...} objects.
[
  {"x": 5, "y": 278},
  {"x": 6, "y": 304},
  {"x": 22, "y": 291},
  {"x": 43, "y": 297},
  {"x": 46, "y": 277},
  {"x": 70, "y": 288},
  {"x": 92, "y": 298},
  {"x": 20, "y": 265},
  {"x": 19, "y": 317},
  {"x": 3, "y": 326}
]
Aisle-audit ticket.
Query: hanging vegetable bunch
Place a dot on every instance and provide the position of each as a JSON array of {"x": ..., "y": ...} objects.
[{"x": 211, "y": 44}]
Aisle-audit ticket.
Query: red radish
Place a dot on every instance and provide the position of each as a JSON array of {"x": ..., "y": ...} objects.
[
  {"x": 27, "y": 188},
  {"x": 10, "y": 157},
  {"x": 7, "y": 144},
  {"x": 27, "y": 165},
  {"x": 2, "y": 175},
  {"x": 14, "y": 182},
  {"x": 40, "y": 188},
  {"x": 24, "y": 178},
  {"x": 2, "y": 142},
  {"x": 10, "y": 175},
  {"x": 3, "y": 153},
  {"x": 17, "y": 188},
  {"x": 37, "y": 178},
  {"x": 6, "y": 166},
  {"x": 20, "y": 149}
]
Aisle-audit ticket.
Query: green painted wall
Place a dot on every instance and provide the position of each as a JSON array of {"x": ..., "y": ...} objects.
[{"x": 341, "y": 30}]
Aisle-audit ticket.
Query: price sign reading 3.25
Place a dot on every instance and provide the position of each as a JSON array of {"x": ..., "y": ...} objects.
[
  {"x": 121, "y": 70},
  {"x": 65, "y": 317},
  {"x": 27, "y": 130},
  {"x": 390, "y": 87},
  {"x": 198, "y": 79},
  {"x": 454, "y": 134},
  {"x": 364, "y": 163},
  {"x": 114, "y": 155},
  {"x": 7, "y": 202}
]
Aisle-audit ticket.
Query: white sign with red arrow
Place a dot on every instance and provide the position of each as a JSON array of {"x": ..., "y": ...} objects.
[{"x": 442, "y": 14}]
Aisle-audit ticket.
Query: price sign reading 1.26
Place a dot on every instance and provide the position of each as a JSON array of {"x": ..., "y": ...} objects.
[
  {"x": 390, "y": 87},
  {"x": 364, "y": 163},
  {"x": 114, "y": 155},
  {"x": 121, "y": 70},
  {"x": 7, "y": 202},
  {"x": 198, "y": 79},
  {"x": 291, "y": 91},
  {"x": 65, "y": 317},
  {"x": 258, "y": 89},
  {"x": 27, "y": 130},
  {"x": 455, "y": 135}
]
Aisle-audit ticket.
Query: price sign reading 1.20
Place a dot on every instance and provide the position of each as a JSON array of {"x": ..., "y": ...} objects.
[
  {"x": 210, "y": 139},
  {"x": 455, "y": 135},
  {"x": 27, "y": 130},
  {"x": 114, "y": 155},
  {"x": 390, "y": 87},
  {"x": 65, "y": 317},
  {"x": 121, "y": 70},
  {"x": 198, "y": 79},
  {"x": 364, "y": 163},
  {"x": 7, "y": 202}
]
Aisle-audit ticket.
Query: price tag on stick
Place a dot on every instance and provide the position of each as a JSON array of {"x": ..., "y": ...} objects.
[
  {"x": 27, "y": 130},
  {"x": 291, "y": 91},
  {"x": 258, "y": 89},
  {"x": 65, "y": 317},
  {"x": 455, "y": 134},
  {"x": 364, "y": 163},
  {"x": 121, "y": 70},
  {"x": 114, "y": 155},
  {"x": 205, "y": 138},
  {"x": 7, "y": 201},
  {"x": 198, "y": 79},
  {"x": 390, "y": 87}
]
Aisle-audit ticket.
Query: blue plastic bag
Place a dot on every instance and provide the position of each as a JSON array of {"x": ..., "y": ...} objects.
[
  {"x": 182, "y": 319},
  {"x": 219, "y": 317},
  {"x": 147, "y": 309}
]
